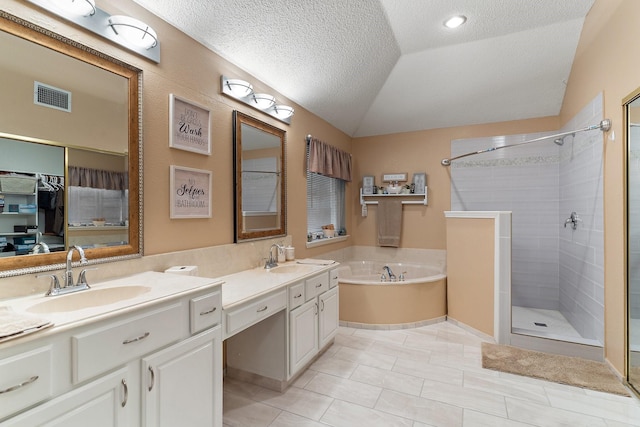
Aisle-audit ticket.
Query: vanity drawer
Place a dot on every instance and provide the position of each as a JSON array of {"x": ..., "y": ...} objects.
[
  {"x": 333, "y": 278},
  {"x": 205, "y": 311},
  {"x": 316, "y": 285},
  {"x": 245, "y": 316},
  {"x": 296, "y": 295},
  {"x": 25, "y": 379},
  {"x": 103, "y": 348}
]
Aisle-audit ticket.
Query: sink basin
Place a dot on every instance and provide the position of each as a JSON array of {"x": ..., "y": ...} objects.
[
  {"x": 88, "y": 298},
  {"x": 291, "y": 269}
]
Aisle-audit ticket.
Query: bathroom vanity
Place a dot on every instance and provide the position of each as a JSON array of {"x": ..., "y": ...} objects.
[
  {"x": 277, "y": 321},
  {"x": 148, "y": 348},
  {"x": 156, "y": 355}
]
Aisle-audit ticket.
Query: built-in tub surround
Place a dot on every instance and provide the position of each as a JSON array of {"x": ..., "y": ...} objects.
[
  {"x": 214, "y": 261},
  {"x": 366, "y": 300},
  {"x": 398, "y": 305}
]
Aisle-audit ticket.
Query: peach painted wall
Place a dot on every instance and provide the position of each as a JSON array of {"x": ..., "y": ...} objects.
[
  {"x": 191, "y": 71},
  {"x": 470, "y": 272},
  {"x": 422, "y": 227},
  {"x": 606, "y": 61}
]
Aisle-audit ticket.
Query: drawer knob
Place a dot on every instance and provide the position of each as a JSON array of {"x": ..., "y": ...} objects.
[
  {"x": 319, "y": 285},
  {"x": 260, "y": 310},
  {"x": 22, "y": 384},
  {"x": 298, "y": 296},
  {"x": 202, "y": 313},
  {"x": 140, "y": 338}
]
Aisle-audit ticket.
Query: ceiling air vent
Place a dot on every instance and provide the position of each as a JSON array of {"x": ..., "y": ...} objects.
[{"x": 52, "y": 97}]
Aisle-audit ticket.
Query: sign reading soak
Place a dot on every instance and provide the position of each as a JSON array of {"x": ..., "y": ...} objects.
[{"x": 190, "y": 193}]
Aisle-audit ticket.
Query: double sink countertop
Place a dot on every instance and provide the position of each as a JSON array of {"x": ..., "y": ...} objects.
[{"x": 124, "y": 295}]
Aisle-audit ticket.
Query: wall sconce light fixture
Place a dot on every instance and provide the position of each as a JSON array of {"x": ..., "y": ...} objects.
[
  {"x": 243, "y": 91},
  {"x": 133, "y": 31},
  {"x": 77, "y": 7},
  {"x": 124, "y": 31}
]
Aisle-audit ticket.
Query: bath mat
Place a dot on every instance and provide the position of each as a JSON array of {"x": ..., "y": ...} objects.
[{"x": 573, "y": 371}]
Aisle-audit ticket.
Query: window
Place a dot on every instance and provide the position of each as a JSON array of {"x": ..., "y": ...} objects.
[
  {"x": 325, "y": 202},
  {"x": 87, "y": 204}
]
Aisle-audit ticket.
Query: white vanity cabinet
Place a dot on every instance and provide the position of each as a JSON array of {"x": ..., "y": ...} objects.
[
  {"x": 158, "y": 365},
  {"x": 315, "y": 323}
]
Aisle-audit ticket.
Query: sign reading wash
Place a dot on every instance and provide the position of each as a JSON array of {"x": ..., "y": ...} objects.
[
  {"x": 189, "y": 126},
  {"x": 190, "y": 193}
]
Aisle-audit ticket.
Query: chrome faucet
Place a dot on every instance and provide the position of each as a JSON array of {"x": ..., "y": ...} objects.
[
  {"x": 272, "y": 261},
  {"x": 68, "y": 274},
  {"x": 40, "y": 247},
  {"x": 392, "y": 276},
  {"x": 56, "y": 288}
]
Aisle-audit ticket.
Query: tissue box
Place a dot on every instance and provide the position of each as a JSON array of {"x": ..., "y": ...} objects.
[{"x": 185, "y": 270}]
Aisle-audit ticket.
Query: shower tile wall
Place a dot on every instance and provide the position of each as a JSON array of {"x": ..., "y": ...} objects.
[
  {"x": 582, "y": 250},
  {"x": 531, "y": 182}
]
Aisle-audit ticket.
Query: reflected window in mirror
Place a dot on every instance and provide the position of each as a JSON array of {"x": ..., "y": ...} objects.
[
  {"x": 103, "y": 119},
  {"x": 260, "y": 182}
]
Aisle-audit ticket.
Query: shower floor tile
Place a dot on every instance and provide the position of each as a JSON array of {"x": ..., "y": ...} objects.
[{"x": 526, "y": 318}]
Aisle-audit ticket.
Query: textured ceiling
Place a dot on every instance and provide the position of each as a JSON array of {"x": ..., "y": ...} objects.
[{"x": 373, "y": 67}]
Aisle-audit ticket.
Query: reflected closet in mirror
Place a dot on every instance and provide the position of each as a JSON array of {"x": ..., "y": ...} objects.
[{"x": 84, "y": 106}]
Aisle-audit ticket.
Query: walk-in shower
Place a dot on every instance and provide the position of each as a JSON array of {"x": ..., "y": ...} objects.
[{"x": 554, "y": 192}]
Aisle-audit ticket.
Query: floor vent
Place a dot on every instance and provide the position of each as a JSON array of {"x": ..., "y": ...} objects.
[{"x": 52, "y": 97}]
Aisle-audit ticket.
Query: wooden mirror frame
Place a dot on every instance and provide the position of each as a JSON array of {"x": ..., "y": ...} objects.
[
  {"x": 240, "y": 235},
  {"x": 13, "y": 266}
]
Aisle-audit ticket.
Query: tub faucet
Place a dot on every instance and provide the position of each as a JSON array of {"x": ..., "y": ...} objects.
[{"x": 392, "y": 276}]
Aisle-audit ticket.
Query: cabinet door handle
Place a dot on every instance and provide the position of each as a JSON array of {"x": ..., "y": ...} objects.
[
  {"x": 125, "y": 387},
  {"x": 140, "y": 338},
  {"x": 22, "y": 384},
  {"x": 153, "y": 378},
  {"x": 298, "y": 296},
  {"x": 316, "y": 310},
  {"x": 321, "y": 305},
  {"x": 260, "y": 310},
  {"x": 202, "y": 313},
  {"x": 319, "y": 285}
]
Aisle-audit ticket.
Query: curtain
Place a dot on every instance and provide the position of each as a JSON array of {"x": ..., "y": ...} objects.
[
  {"x": 96, "y": 178},
  {"x": 328, "y": 160}
]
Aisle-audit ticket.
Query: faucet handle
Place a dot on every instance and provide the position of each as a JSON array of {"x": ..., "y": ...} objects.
[
  {"x": 54, "y": 284},
  {"x": 82, "y": 277}
]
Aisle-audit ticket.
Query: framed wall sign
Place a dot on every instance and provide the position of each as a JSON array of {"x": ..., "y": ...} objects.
[
  {"x": 368, "y": 182},
  {"x": 190, "y": 195},
  {"x": 189, "y": 126},
  {"x": 420, "y": 182}
]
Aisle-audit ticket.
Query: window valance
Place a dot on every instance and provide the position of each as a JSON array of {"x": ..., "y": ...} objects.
[
  {"x": 328, "y": 160},
  {"x": 96, "y": 178}
]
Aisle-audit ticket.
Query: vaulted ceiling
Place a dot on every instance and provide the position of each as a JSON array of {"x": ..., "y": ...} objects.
[{"x": 373, "y": 67}]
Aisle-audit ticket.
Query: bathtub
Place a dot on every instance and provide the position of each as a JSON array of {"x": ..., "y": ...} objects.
[{"x": 421, "y": 298}]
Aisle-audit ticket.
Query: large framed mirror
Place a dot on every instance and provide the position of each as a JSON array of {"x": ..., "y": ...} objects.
[
  {"x": 631, "y": 106},
  {"x": 260, "y": 179},
  {"x": 70, "y": 134}
]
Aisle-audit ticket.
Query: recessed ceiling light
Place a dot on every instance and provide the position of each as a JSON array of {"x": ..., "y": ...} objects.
[{"x": 455, "y": 21}]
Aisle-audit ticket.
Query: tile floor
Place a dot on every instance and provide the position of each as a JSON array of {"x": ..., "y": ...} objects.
[{"x": 428, "y": 376}]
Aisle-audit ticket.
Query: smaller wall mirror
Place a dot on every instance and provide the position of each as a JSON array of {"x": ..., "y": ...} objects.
[{"x": 260, "y": 182}]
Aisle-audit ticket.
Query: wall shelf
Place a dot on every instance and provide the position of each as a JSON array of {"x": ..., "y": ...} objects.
[{"x": 408, "y": 199}]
